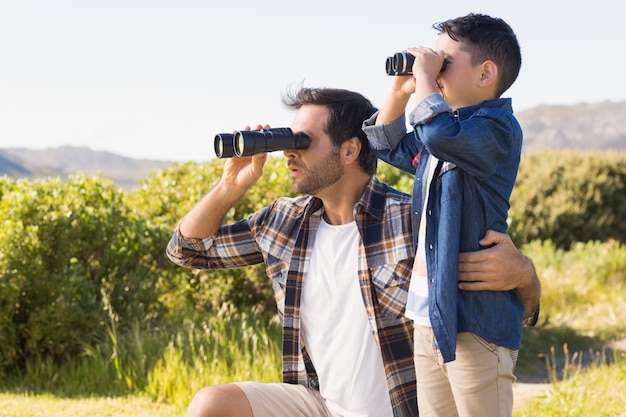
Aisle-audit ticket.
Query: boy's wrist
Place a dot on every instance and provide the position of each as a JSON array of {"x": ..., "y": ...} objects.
[{"x": 400, "y": 95}]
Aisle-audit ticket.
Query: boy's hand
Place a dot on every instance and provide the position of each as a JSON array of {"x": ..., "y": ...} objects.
[
  {"x": 403, "y": 86},
  {"x": 428, "y": 62},
  {"x": 426, "y": 70}
]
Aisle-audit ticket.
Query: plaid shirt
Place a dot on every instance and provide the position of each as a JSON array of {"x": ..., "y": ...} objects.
[{"x": 282, "y": 235}]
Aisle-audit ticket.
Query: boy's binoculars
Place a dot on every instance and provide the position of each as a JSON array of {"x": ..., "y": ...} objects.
[
  {"x": 401, "y": 63},
  {"x": 251, "y": 142}
]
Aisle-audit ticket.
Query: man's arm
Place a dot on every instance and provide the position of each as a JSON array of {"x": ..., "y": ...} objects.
[
  {"x": 501, "y": 268},
  {"x": 205, "y": 218}
]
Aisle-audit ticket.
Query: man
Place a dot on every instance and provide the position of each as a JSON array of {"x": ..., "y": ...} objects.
[{"x": 339, "y": 259}]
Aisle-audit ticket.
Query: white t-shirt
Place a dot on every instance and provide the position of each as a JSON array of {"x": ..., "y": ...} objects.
[
  {"x": 417, "y": 301},
  {"x": 335, "y": 328}
]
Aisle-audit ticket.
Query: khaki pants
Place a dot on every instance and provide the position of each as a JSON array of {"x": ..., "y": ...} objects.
[
  {"x": 284, "y": 400},
  {"x": 478, "y": 383}
]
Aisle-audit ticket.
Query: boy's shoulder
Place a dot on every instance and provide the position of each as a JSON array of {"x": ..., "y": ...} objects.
[
  {"x": 499, "y": 109},
  {"x": 501, "y": 104}
]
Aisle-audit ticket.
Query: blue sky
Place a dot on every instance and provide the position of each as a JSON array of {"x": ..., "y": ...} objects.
[{"x": 158, "y": 79}]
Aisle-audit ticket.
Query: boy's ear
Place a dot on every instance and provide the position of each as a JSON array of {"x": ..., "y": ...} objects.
[{"x": 489, "y": 74}]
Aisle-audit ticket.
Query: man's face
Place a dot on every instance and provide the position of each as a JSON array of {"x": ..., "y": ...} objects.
[{"x": 318, "y": 167}]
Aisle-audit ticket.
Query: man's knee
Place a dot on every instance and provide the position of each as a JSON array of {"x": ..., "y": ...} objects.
[{"x": 220, "y": 401}]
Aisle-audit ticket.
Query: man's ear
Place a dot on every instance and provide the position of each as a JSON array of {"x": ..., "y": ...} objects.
[
  {"x": 350, "y": 149},
  {"x": 489, "y": 75}
]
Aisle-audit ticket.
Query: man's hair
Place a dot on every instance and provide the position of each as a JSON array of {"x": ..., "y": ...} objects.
[
  {"x": 346, "y": 112},
  {"x": 487, "y": 38}
]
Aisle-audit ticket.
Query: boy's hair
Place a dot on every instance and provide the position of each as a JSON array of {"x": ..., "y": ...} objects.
[
  {"x": 346, "y": 112},
  {"x": 487, "y": 38}
]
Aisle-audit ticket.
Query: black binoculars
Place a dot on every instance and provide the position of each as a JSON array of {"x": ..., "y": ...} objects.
[
  {"x": 251, "y": 142},
  {"x": 401, "y": 63}
]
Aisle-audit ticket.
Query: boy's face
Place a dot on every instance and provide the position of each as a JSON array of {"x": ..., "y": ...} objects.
[{"x": 459, "y": 83}]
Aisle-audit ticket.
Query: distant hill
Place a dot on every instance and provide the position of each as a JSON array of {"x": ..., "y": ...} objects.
[
  {"x": 597, "y": 126},
  {"x": 63, "y": 161},
  {"x": 13, "y": 165},
  {"x": 585, "y": 126}
]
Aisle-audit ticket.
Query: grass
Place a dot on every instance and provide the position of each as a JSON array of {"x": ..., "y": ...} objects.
[
  {"x": 581, "y": 304},
  {"x": 46, "y": 405},
  {"x": 596, "y": 390},
  {"x": 157, "y": 373},
  {"x": 582, "y": 313}
]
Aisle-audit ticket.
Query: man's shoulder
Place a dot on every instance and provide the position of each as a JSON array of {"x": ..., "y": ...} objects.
[
  {"x": 390, "y": 193},
  {"x": 384, "y": 201},
  {"x": 291, "y": 207}
]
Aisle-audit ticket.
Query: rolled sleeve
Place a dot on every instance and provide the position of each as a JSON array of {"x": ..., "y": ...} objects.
[
  {"x": 431, "y": 106},
  {"x": 184, "y": 251},
  {"x": 386, "y": 136}
]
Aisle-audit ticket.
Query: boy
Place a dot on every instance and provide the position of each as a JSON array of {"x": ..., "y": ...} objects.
[{"x": 464, "y": 149}]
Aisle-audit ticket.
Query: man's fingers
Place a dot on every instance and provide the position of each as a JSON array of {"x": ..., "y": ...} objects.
[
  {"x": 477, "y": 284},
  {"x": 473, "y": 286}
]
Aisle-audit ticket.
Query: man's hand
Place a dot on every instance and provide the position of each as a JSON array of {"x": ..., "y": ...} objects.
[
  {"x": 501, "y": 268},
  {"x": 240, "y": 173}
]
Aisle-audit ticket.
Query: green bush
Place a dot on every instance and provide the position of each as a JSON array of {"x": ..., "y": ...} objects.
[
  {"x": 63, "y": 247},
  {"x": 395, "y": 177},
  {"x": 569, "y": 197}
]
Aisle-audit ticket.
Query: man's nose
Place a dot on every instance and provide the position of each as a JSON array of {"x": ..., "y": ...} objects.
[{"x": 289, "y": 153}]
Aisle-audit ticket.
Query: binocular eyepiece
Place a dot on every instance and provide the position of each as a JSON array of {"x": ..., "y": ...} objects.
[
  {"x": 401, "y": 63},
  {"x": 251, "y": 142}
]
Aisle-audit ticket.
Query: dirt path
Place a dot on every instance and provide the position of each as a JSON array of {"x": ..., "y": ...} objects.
[
  {"x": 523, "y": 391},
  {"x": 528, "y": 387}
]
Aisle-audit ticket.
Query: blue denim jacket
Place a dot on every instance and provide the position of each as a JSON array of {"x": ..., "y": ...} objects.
[{"x": 481, "y": 146}]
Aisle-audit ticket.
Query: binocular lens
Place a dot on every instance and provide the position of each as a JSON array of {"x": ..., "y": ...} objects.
[
  {"x": 389, "y": 65},
  {"x": 251, "y": 142},
  {"x": 401, "y": 63},
  {"x": 223, "y": 145},
  {"x": 240, "y": 144}
]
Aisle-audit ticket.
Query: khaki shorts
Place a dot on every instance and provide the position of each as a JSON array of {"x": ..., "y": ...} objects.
[{"x": 284, "y": 400}]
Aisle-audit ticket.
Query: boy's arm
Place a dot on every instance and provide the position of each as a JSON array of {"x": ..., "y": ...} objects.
[
  {"x": 502, "y": 267},
  {"x": 396, "y": 101},
  {"x": 391, "y": 142},
  {"x": 426, "y": 67}
]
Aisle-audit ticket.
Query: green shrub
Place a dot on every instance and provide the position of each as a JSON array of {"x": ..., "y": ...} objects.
[
  {"x": 395, "y": 177},
  {"x": 63, "y": 246},
  {"x": 569, "y": 197}
]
